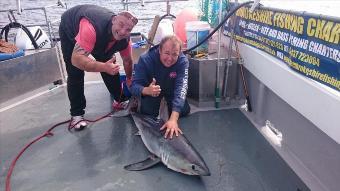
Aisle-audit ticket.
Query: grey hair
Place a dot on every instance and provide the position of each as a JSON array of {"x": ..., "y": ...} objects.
[
  {"x": 173, "y": 38},
  {"x": 130, "y": 16}
]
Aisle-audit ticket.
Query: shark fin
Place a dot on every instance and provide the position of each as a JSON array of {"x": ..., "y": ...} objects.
[
  {"x": 137, "y": 133},
  {"x": 163, "y": 110},
  {"x": 142, "y": 165}
]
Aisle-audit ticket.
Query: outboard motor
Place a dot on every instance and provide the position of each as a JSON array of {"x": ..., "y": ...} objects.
[{"x": 23, "y": 41}]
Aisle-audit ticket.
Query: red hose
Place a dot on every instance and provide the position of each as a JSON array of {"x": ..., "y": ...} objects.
[{"x": 48, "y": 133}]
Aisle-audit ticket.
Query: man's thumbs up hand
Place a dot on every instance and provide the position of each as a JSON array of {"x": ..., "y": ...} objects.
[
  {"x": 153, "y": 89},
  {"x": 153, "y": 81}
]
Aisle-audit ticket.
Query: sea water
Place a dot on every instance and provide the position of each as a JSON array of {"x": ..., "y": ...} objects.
[
  {"x": 150, "y": 10},
  {"x": 325, "y": 7}
]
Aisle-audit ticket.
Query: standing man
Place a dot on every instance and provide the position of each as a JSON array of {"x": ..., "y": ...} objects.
[
  {"x": 90, "y": 29},
  {"x": 163, "y": 71}
]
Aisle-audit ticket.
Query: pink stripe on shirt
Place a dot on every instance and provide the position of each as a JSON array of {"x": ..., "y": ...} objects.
[{"x": 86, "y": 37}]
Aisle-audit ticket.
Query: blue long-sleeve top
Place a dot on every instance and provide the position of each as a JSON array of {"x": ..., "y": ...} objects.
[{"x": 172, "y": 80}]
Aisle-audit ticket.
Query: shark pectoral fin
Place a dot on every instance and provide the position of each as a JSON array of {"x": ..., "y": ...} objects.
[
  {"x": 142, "y": 165},
  {"x": 137, "y": 133}
]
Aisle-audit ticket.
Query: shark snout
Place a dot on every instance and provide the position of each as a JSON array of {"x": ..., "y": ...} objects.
[
  {"x": 201, "y": 170},
  {"x": 204, "y": 171}
]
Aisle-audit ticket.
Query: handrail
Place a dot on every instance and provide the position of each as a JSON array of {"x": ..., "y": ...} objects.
[
  {"x": 126, "y": 3},
  {"x": 46, "y": 22}
]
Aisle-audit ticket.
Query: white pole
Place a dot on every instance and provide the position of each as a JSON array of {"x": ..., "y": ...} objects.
[
  {"x": 19, "y": 6},
  {"x": 217, "y": 89},
  {"x": 255, "y": 4}
]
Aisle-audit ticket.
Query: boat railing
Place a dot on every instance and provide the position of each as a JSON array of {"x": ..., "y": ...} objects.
[
  {"x": 39, "y": 69},
  {"x": 46, "y": 23},
  {"x": 126, "y": 4}
]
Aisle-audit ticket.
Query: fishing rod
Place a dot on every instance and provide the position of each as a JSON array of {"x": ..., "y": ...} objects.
[{"x": 244, "y": 82}]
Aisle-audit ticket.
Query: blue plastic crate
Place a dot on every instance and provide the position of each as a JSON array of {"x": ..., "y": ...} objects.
[{"x": 126, "y": 90}]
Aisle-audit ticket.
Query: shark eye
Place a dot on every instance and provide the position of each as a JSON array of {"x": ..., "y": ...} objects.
[{"x": 193, "y": 167}]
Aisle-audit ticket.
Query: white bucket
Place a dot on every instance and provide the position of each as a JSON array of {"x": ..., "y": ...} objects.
[
  {"x": 196, "y": 31},
  {"x": 22, "y": 40}
]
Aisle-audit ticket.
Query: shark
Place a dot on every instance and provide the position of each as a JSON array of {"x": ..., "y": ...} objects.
[{"x": 177, "y": 154}]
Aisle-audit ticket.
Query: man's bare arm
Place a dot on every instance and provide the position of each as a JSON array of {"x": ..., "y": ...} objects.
[
  {"x": 127, "y": 63},
  {"x": 81, "y": 60}
]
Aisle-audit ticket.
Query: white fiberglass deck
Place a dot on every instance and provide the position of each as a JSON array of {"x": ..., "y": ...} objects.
[{"x": 238, "y": 156}]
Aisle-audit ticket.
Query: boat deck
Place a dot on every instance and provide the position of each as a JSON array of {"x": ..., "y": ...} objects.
[{"x": 238, "y": 156}]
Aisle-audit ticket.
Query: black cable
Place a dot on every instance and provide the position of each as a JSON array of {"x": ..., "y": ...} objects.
[{"x": 167, "y": 15}]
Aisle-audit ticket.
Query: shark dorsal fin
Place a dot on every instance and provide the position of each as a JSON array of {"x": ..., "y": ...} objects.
[{"x": 163, "y": 110}]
